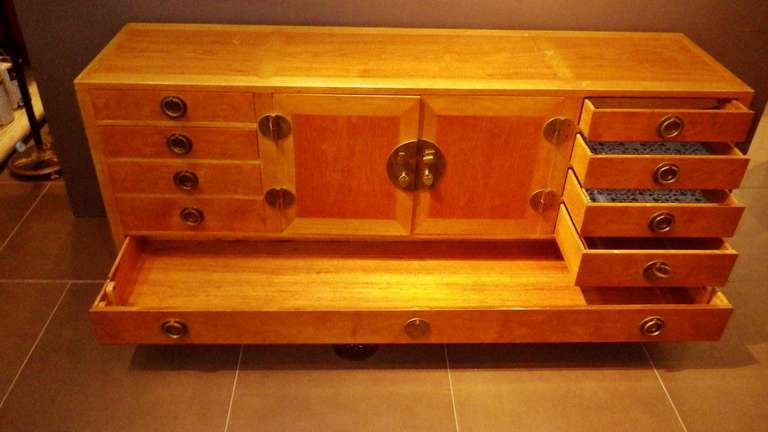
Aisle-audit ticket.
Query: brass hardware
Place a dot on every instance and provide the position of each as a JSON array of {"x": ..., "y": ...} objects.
[
  {"x": 666, "y": 173},
  {"x": 186, "y": 180},
  {"x": 173, "y": 106},
  {"x": 652, "y": 326},
  {"x": 191, "y": 216},
  {"x": 670, "y": 127},
  {"x": 274, "y": 127},
  {"x": 657, "y": 270},
  {"x": 661, "y": 222},
  {"x": 174, "y": 328},
  {"x": 558, "y": 130},
  {"x": 401, "y": 165},
  {"x": 543, "y": 200},
  {"x": 417, "y": 328},
  {"x": 279, "y": 198},
  {"x": 179, "y": 144},
  {"x": 431, "y": 164}
]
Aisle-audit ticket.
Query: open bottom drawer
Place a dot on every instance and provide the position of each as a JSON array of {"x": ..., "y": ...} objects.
[{"x": 395, "y": 292}]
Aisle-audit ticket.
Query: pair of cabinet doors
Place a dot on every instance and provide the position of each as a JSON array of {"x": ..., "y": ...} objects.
[{"x": 494, "y": 159}]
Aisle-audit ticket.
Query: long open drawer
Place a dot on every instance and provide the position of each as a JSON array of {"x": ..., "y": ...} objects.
[{"x": 381, "y": 292}]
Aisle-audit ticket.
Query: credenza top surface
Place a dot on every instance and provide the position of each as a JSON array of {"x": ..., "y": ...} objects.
[{"x": 399, "y": 60}]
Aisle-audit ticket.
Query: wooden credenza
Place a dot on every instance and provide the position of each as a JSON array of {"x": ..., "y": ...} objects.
[{"x": 272, "y": 184}]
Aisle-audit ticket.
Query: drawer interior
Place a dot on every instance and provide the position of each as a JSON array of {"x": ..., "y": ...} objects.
[
  {"x": 652, "y": 243},
  {"x": 681, "y": 196},
  {"x": 666, "y": 148},
  {"x": 664, "y": 103}
]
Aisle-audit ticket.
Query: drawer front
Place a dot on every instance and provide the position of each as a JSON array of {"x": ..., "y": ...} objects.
[
  {"x": 718, "y": 219},
  {"x": 164, "y": 214},
  {"x": 179, "y": 142},
  {"x": 717, "y": 171},
  {"x": 667, "y": 120},
  {"x": 636, "y": 265},
  {"x": 158, "y": 177},
  {"x": 174, "y": 105}
]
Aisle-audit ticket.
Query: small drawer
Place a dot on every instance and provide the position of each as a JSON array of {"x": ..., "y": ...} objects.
[
  {"x": 642, "y": 261},
  {"x": 640, "y": 166},
  {"x": 187, "y": 177},
  {"x": 717, "y": 217},
  {"x": 179, "y": 142},
  {"x": 217, "y": 292},
  {"x": 173, "y": 105},
  {"x": 640, "y": 119},
  {"x": 192, "y": 214}
]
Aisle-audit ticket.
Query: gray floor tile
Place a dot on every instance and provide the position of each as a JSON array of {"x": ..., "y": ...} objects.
[
  {"x": 24, "y": 309},
  {"x": 308, "y": 388},
  {"x": 573, "y": 387},
  {"x": 751, "y": 240},
  {"x": 17, "y": 199},
  {"x": 723, "y": 386},
  {"x": 73, "y": 384},
  {"x": 53, "y": 244}
]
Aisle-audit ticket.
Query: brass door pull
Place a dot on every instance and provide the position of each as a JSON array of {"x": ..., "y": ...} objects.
[
  {"x": 174, "y": 328},
  {"x": 185, "y": 180},
  {"x": 417, "y": 328},
  {"x": 652, "y": 326},
  {"x": 192, "y": 216},
  {"x": 661, "y": 222},
  {"x": 670, "y": 127},
  {"x": 666, "y": 173},
  {"x": 411, "y": 157},
  {"x": 173, "y": 107},
  {"x": 657, "y": 270},
  {"x": 179, "y": 144}
]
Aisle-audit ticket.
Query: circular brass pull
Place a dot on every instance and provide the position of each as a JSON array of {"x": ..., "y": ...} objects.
[
  {"x": 417, "y": 328},
  {"x": 191, "y": 216},
  {"x": 657, "y": 270},
  {"x": 661, "y": 222},
  {"x": 186, "y": 180},
  {"x": 174, "y": 328},
  {"x": 666, "y": 173},
  {"x": 670, "y": 127},
  {"x": 652, "y": 326},
  {"x": 173, "y": 106},
  {"x": 179, "y": 144}
]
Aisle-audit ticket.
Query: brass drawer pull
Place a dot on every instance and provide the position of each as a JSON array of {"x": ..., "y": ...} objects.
[
  {"x": 191, "y": 216},
  {"x": 661, "y": 222},
  {"x": 657, "y": 270},
  {"x": 666, "y": 173},
  {"x": 173, "y": 106},
  {"x": 185, "y": 180},
  {"x": 417, "y": 328},
  {"x": 652, "y": 326},
  {"x": 174, "y": 328},
  {"x": 179, "y": 144},
  {"x": 670, "y": 127}
]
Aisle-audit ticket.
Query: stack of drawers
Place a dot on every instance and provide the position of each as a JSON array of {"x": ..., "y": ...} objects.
[
  {"x": 194, "y": 160},
  {"x": 646, "y": 201}
]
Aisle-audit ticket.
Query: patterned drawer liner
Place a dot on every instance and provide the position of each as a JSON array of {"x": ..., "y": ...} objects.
[
  {"x": 647, "y": 196},
  {"x": 647, "y": 148}
]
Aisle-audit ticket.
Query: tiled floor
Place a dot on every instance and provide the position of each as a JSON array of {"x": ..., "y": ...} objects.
[{"x": 55, "y": 377}]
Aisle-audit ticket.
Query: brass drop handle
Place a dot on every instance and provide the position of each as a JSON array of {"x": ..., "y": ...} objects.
[
  {"x": 666, "y": 173},
  {"x": 428, "y": 160},
  {"x": 661, "y": 222},
  {"x": 417, "y": 328},
  {"x": 185, "y": 180},
  {"x": 173, "y": 106},
  {"x": 404, "y": 180},
  {"x": 179, "y": 144},
  {"x": 652, "y": 326},
  {"x": 174, "y": 328},
  {"x": 192, "y": 216},
  {"x": 657, "y": 270},
  {"x": 670, "y": 127}
]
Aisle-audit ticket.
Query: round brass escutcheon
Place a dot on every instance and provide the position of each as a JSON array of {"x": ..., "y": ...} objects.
[
  {"x": 191, "y": 216},
  {"x": 666, "y": 173},
  {"x": 174, "y": 328},
  {"x": 186, "y": 180},
  {"x": 670, "y": 127},
  {"x": 173, "y": 106},
  {"x": 179, "y": 144},
  {"x": 417, "y": 328},
  {"x": 652, "y": 326},
  {"x": 657, "y": 270},
  {"x": 661, "y": 222}
]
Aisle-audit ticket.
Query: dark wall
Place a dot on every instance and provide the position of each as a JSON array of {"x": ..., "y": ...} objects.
[{"x": 62, "y": 37}]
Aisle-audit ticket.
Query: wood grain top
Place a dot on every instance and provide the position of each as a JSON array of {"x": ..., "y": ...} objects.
[{"x": 399, "y": 60}]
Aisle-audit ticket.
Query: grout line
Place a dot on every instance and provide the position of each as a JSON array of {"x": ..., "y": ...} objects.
[
  {"x": 234, "y": 387},
  {"x": 34, "y": 345},
  {"x": 23, "y": 218},
  {"x": 450, "y": 385},
  {"x": 663, "y": 387}
]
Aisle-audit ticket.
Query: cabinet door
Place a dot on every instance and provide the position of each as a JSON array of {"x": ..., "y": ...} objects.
[
  {"x": 496, "y": 158},
  {"x": 336, "y": 163}
]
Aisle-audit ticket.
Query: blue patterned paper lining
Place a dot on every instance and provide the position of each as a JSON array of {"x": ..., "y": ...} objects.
[
  {"x": 647, "y": 195},
  {"x": 647, "y": 148}
]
